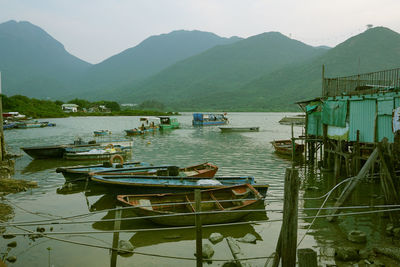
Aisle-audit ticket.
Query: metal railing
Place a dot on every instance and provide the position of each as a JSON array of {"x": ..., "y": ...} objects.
[{"x": 362, "y": 83}]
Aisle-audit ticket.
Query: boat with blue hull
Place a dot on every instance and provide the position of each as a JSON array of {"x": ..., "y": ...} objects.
[
  {"x": 176, "y": 183},
  {"x": 209, "y": 119}
]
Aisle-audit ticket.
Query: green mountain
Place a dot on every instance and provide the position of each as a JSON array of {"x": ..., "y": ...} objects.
[
  {"x": 205, "y": 80},
  {"x": 373, "y": 50},
  {"x": 33, "y": 63},
  {"x": 148, "y": 58}
]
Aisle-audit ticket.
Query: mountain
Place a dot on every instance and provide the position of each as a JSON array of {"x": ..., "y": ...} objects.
[
  {"x": 149, "y": 57},
  {"x": 221, "y": 70},
  {"x": 373, "y": 50},
  {"x": 33, "y": 63}
]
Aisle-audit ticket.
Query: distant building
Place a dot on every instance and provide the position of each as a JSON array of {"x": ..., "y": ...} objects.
[
  {"x": 128, "y": 106},
  {"x": 69, "y": 107}
]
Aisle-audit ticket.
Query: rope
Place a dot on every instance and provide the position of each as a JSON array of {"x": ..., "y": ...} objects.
[{"x": 208, "y": 225}]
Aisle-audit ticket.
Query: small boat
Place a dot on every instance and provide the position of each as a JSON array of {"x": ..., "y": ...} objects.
[
  {"x": 100, "y": 153},
  {"x": 284, "y": 147},
  {"x": 202, "y": 119},
  {"x": 204, "y": 170},
  {"x": 214, "y": 202},
  {"x": 76, "y": 173},
  {"x": 101, "y": 132},
  {"x": 57, "y": 151},
  {"x": 25, "y": 125},
  {"x": 239, "y": 129},
  {"x": 175, "y": 183},
  {"x": 167, "y": 122},
  {"x": 149, "y": 125},
  {"x": 296, "y": 120}
]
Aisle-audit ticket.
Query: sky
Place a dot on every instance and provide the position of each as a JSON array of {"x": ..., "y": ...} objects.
[{"x": 94, "y": 30}]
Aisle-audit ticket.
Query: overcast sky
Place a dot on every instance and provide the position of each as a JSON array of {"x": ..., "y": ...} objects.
[{"x": 94, "y": 30}]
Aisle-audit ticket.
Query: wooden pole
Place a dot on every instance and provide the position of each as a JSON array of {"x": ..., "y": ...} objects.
[
  {"x": 2, "y": 144},
  {"x": 117, "y": 227},
  {"x": 199, "y": 234},
  {"x": 307, "y": 257},
  {"x": 353, "y": 183},
  {"x": 287, "y": 242}
]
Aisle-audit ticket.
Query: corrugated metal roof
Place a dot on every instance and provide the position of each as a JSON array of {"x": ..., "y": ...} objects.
[{"x": 362, "y": 118}]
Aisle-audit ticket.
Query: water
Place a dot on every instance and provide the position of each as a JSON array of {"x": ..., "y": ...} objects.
[{"x": 235, "y": 154}]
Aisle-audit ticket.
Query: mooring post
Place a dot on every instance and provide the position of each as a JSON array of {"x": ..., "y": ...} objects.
[
  {"x": 199, "y": 234},
  {"x": 287, "y": 243},
  {"x": 307, "y": 257},
  {"x": 117, "y": 227}
]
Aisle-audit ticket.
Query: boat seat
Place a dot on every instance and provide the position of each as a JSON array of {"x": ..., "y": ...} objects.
[
  {"x": 146, "y": 204},
  {"x": 240, "y": 192}
]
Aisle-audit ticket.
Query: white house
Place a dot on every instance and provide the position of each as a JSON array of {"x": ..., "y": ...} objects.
[{"x": 69, "y": 107}]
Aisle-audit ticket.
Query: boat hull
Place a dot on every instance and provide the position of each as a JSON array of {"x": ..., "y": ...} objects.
[
  {"x": 284, "y": 147},
  {"x": 173, "y": 183},
  {"x": 239, "y": 129},
  {"x": 45, "y": 152},
  {"x": 228, "y": 204}
]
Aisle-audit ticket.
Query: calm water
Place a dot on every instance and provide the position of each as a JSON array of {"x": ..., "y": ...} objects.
[{"x": 234, "y": 153}]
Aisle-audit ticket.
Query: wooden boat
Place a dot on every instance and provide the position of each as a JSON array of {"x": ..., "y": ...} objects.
[
  {"x": 80, "y": 172},
  {"x": 101, "y": 132},
  {"x": 175, "y": 183},
  {"x": 202, "y": 119},
  {"x": 57, "y": 151},
  {"x": 234, "y": 198},
  {"x": 284, "y": 147},
  {"x": 204, "y": 170},
  {"x": 167, "y": 122},
  {"x": 239, "y": 129}
]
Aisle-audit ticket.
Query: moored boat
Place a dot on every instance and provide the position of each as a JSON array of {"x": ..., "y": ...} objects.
[
  {"x": 96, "y": 153},
  {"x": 101, "y": 132},
  {"x": 148, "y": 125},
  {"x": 167, "y": 122},
  {"x": 239, "y": 129},
  {"x": 204, "y": 170},
  {"x": 175, "y": 183},
  {"x": 216, "y": 205},
  {"x": 57, "y": 151},
  {"x": 284, "y": 147},
  {"x": 207, "y": 119},
  {"x": 82, "y": 172},
  {"x": 296, "y": 120}
]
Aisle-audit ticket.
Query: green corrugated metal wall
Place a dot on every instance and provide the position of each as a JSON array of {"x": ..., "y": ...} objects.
[
  {"x": 362, "y": 118},
  {"x": 384, "y": 122},
  {"x": 314, "y": 123}
]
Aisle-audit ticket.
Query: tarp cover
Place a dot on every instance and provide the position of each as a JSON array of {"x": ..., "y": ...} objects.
[{"x": 334, "y": 113}]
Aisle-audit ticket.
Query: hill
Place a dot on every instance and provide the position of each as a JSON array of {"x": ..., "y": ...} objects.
[
  {"x": 373, "y": 50},
  {"x": 146, "y": 59},
  {"x": 221, "y": 70},
  {"x": 33, "y": 63}
]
